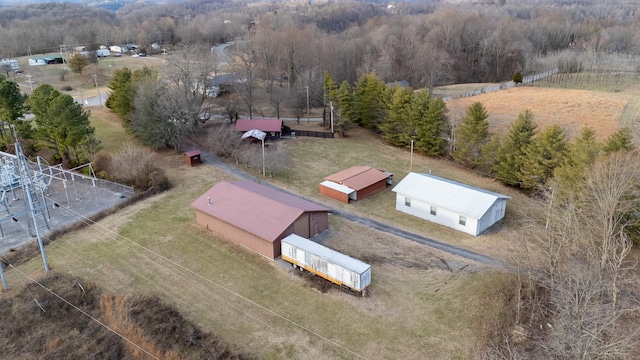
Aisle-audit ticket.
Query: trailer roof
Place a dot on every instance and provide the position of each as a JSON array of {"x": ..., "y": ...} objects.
[{"x": 324, "y": 252}]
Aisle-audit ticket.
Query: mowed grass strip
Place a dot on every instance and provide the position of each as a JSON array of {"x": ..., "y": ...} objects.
[{"x": 109, "y": 130}]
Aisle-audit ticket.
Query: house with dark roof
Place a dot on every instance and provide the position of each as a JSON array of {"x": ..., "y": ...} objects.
[
  {"x": 258, "y": 216},
  {"x": 355, "y": 183},
  {"x": 446, "y": 202},
  {"x": 273, "y": 127}
]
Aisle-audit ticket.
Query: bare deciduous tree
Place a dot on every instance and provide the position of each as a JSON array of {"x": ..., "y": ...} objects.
[{"x": 586, "y": 280}]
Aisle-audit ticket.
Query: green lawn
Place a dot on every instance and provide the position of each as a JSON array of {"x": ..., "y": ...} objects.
[{"x": 109, "y": 130}]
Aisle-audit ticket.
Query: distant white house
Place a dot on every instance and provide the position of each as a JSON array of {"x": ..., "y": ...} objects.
[
  {"x": 11, "y": 62},
  {"x": 123, "y": 48},
  {"x": 449, "y": 203}
]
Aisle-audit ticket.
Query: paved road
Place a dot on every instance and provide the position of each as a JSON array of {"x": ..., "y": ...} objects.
[
  {"x": 93, "y": 101},
  {"x": 451, "y": 249}
]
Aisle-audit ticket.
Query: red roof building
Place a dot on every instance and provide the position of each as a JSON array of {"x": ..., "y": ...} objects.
[
  {"x": 192, "y": 157},
  {"x": 355, "y": 183},
  {"x": 258, "y": 216},
  {"x": 273, "y": 127}
]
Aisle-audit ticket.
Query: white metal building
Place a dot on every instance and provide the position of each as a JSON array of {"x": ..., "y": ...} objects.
[{"x": 449, "y": 203}]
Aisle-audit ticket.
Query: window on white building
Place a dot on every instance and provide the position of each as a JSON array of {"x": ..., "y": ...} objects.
[
  {"x": 407, "y": 202},
  {"x": 463, "y": 220},
  {"x": 434, "y": 210}
]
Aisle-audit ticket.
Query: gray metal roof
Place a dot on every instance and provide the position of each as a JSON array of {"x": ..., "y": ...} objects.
[
  {"x": 448, "y": 194},
  {"x": 332, "y": 256}
]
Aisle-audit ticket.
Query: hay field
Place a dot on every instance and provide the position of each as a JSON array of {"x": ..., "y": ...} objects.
[{"x": 570, "y": 108}]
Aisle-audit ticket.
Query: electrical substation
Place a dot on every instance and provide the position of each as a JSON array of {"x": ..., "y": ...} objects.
[{"x": 36, "y": 199}]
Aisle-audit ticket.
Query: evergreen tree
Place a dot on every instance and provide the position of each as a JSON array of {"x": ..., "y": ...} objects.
[
  {"x": 489, "y": 155},
  {"x": 13, "y": 105},
  {"x": 517, "y": 78},
  {"x": 511, "y": 154},
  {"x": 123, "y": 84},
  {"x": 546, "y": 152},
  {"x": 61, "y": 123},
  {"x": 120, "y": 101},
  {"x": 431, "y": 121},
  {"x": 344, "y": 109},
  {"x": 397, "y": 127},
  {"x": 368, "y": 108},
  {"x": 330, "y": 88},
  {"x": 471, "y": 135},
  {"x": 581, "y": 154},
  {"x": 149, "y": 123},
  {"x": 621, "y": 140}
]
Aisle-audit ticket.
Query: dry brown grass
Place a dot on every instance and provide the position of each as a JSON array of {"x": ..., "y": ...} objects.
[
  {"x": 572, "y": 109},
  {"x": 40, "y": 325},
  {"x": 419, "y": 308}
]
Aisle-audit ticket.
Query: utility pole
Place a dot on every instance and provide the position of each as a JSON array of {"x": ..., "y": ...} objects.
[
  {"x": 65, "y": 55},
  {"x": 4, "y": 279},
  {"x": 411, "y": 161},
  {"x": 95, "y": 79},
  {"x": 29, "y": 76},
  {"x": 264, "y": 172},
  {"x": 308, "y": 117},
  {"x": 28, "y": 188},
  {"x": 331, "y": 115}
]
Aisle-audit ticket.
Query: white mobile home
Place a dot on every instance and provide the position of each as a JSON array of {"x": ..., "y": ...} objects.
[
  {"x": 449, "y": 203},
  {"x": 123, "y": 48},
  {"x": 332, "y": 265}
]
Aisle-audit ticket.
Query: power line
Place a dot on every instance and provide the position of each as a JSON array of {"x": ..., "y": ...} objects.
[
  {"x": 114, "y": 235},
  {"x": 84, "y": 312}
]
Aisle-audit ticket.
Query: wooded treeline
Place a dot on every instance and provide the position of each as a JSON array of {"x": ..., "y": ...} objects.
[{"x": 427, "y": 43}]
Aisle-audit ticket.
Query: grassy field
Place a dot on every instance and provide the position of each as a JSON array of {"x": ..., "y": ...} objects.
[
  {"x": 82, "y": 86},
  {"x": 154, "y": 247},
  {"x": 416, "y": 310},
  {"x": 109, "y": 130}
]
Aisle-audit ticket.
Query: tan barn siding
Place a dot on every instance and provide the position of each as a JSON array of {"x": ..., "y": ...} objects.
[
  {"x": 253, "y": 242},
  {"x": 335, "y": 194}
]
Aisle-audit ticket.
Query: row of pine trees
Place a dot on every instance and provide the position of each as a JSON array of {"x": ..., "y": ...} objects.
[{"x": 523, "y": 157}]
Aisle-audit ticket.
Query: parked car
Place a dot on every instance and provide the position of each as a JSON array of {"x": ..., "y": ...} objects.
[
  {"x": 142, "y": 55},
  {"x": 117, "y": 54}
]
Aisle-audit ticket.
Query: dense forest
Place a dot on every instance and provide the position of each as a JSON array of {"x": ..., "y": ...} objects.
[{"x": 427, "y": 43}]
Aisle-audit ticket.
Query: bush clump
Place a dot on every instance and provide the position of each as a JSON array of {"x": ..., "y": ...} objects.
[{"x": 137, "y": 166}]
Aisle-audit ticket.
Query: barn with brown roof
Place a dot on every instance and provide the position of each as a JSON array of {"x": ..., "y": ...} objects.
[
  {"x": 273, "y": 127},
  {"x": 258, "y": 216},
  {"x": 355, "y": 183}
]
